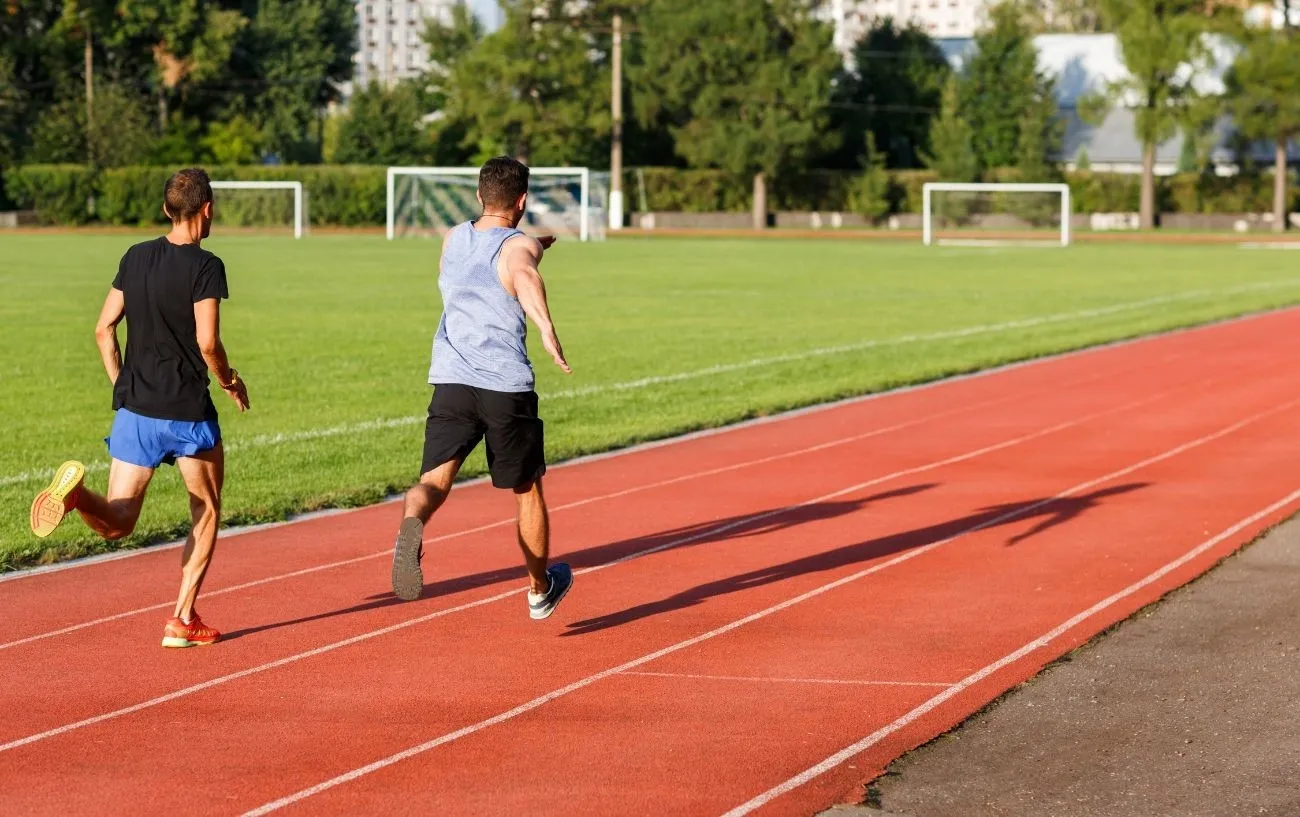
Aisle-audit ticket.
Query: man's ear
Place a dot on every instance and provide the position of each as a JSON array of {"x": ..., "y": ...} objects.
[
  {"x": 522, "y": 203},
  {"x": 167, "y": 213},
  {"x": 206, "y": 212},
  {"x": 479, "y": 196}
]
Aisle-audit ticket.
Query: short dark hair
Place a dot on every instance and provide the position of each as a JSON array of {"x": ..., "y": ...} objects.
[
  {"x": 502, "y": 181},
  {"x": 187, "y": 191}
]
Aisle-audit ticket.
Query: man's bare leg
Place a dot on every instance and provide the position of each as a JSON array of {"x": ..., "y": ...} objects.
[
  {"x": 422, "y": 501},
  {"x": 547, "y": 585},
  {"x": 114, "y": 516},
  {"x": 534, "y": 532},
  {"x": 204, "y": 474}
]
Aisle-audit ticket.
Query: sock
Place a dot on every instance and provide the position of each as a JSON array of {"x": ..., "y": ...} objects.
[{"x": 539, "y": 596}]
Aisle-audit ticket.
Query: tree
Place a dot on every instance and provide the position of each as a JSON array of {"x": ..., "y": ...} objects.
[
  {"x": 1264, "y": 89},
  {"x": 750, "y": 93},
  {"x": 288, "y": 63},
  {"x": 234, "y": 142},
  {"x": 951, "y": 154},
  {"x": 1158, "y": 39},
  {"x": 383, "y": 127},
  {"x": 1000, "y": 84},
  {"x": 870, "y": 192},
  {"x": 166, "y": 44},
  {"x": 119, "y": 135},
  {"x": 537, "y": 88},
  {"x": 892, "y": 92},
  {"x": 1066, "y": 16},
  {"x": 1038, "y": 138}
]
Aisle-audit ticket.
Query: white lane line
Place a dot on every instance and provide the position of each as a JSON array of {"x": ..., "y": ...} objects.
[
  {"x": 505, "y": 522},
  {"x": 1017, "y": 397},
  {"x": 726, "y": 628},
  {"x": 974, "y": 678},
  {"x": 709, "y": 532},
  {"x": 754, "y": 679},
  {"x": 702, "y": 434},
  {"x": 265, "y": 440}
]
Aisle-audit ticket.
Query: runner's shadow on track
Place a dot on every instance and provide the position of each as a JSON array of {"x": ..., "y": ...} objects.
[
  {"x": 716, "y": 530},
  {"x": 702, "y": 533},
  {"x": 1050, "y": 513}
]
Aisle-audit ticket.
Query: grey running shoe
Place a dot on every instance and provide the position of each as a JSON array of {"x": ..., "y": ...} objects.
[
  {"x": 561, "y": 576},
  {"x": 408, "y": 579}
]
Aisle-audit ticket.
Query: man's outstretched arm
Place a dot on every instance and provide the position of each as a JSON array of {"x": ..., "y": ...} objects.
[{"x": 525, "y": 282}]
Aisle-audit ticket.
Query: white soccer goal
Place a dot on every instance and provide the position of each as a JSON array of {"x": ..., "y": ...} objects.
[
  {"x": 562, "y": 200},
  {"x": 987, "y": 214},
  {"x": 263, "y": 210}
]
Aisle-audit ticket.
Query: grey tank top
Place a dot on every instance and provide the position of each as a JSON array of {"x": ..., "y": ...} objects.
[{"x": 481, "y": 337}]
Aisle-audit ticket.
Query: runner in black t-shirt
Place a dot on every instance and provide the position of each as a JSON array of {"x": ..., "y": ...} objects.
[{"x": 169, "y": 290}]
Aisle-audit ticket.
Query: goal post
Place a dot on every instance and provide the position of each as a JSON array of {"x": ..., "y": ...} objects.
[
  {"x": 432, "y": 198},
  {"x": 296, "y": 187},
  {"x": 1004, "y": 192}
]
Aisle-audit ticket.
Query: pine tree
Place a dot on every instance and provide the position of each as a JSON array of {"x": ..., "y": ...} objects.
[{"x": 951, "y": 154}]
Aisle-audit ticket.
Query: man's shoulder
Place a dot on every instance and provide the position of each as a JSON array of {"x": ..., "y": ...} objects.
[
  {"x": 141, "y": 248},
  {"x": 521, "y": 241}
]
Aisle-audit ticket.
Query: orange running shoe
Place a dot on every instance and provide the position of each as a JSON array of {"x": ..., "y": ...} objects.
[
  {"x": 58, "y": 500},
  {"x": 195, "y": 634}
]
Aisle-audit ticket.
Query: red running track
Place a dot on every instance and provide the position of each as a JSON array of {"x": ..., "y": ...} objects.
[{"x": 763, "y": 619}]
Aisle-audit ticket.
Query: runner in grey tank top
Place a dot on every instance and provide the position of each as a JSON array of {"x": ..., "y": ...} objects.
[
  {"x": 481, "y": 338},
  {"x": 483, "y": 382}
]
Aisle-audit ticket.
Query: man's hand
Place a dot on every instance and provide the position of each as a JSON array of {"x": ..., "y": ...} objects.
[
  {"x": 546, "y": 241},
  {"x": 238, "y": 391},
  {"x": 551, "y": 343}
]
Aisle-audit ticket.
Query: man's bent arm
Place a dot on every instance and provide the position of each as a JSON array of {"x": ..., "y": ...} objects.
[
  {"x": 207, "y": 326},
  {"x": 531, "y": 291},
  {"x": 106, "y": 333}
]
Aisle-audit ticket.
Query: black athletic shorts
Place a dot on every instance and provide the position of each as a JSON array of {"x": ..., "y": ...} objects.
[{"x": 460, "y": 416}]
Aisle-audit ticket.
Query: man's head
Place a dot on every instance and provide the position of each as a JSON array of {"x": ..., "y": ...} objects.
[
  {"x": 188, "y": 199},
  {"x": 503, "y": 187}
]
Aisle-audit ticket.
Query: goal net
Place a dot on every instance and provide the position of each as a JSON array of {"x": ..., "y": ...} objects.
[
  {"x": 993, "y": 214},
  {"x": 562, "y": 201},
  {"x": 261, "y": 205}
]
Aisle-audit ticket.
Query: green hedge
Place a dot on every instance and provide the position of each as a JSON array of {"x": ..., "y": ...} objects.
[
  {"x": 336, "y": 195},
  {"x": 60, "y": 194},
  {"x": 353, "y": 196},
  {"x": 671, "y": 189}
]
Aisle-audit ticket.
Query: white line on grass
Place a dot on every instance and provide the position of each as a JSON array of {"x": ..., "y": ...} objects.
[
  {"x": 714, "y": 531},
  {"x": 974, "y": 678},
  {"x": 726, "y": 628},
  {"x": 267, "y": 440}
]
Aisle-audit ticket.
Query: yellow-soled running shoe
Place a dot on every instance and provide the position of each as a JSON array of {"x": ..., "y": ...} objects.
[{"x": 56, "y": 501}]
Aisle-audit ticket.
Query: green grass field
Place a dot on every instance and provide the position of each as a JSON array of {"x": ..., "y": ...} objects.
[{"x": 665, "y": 336}]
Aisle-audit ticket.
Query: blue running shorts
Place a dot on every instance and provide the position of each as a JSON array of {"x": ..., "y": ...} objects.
[{"x": 149, "y": 442}]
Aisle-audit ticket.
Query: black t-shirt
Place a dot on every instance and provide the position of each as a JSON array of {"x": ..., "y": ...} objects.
[{"x": 163, "y": 373}]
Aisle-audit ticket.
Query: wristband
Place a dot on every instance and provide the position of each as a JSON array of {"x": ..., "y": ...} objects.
[{"x": 234, "y": 380}]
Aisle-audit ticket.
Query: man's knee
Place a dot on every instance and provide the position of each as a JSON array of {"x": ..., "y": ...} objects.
[
  {"x": 427, "y": 492},
  {"x": 115, "y": 533},
  {"x": 529, "y": 493}
]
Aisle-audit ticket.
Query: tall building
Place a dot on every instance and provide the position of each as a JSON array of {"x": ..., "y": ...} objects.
[
  {"x": 390, "y": 38},
  {"x": 940, "y": 18}
]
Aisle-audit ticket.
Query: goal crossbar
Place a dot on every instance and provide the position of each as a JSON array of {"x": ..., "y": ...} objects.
[
  {"x": 296, "y": 187},
  {"x": 1063, "y": 190},
  {"x": 583, "y": 174}
]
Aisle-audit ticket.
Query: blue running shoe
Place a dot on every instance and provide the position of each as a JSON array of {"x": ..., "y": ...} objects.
[{"x": 561, "y": 576}]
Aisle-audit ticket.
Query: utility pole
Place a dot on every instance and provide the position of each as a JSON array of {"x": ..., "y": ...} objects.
[{"x": 616, "y": 142}]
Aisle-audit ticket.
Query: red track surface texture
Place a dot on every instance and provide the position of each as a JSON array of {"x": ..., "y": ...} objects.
[{"x": 763, "y": 617}]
